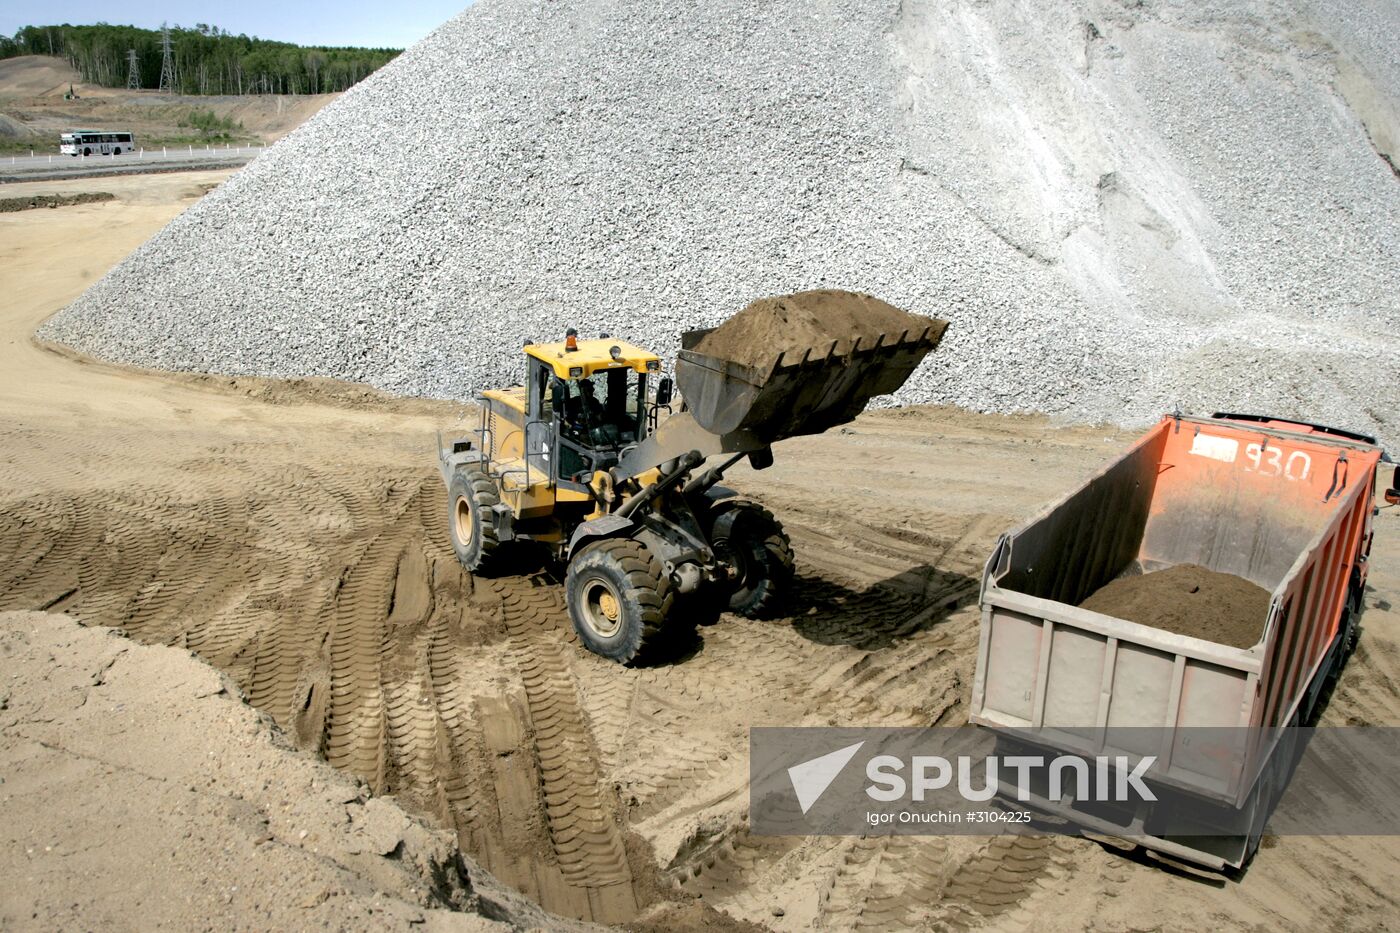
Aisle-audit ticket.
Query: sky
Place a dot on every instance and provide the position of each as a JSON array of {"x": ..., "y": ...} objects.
[{"x": 305, "y": 22}]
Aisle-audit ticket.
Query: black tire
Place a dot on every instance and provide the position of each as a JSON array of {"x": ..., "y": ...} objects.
[
  {"x": 755, "y": 543},
  {"x": 1350, "y": 636},
  {"x": 87, "y": 151},
  {"x": 472, "y": 523},
  {"x": 1266, "y": 796},
  {"x": 1356, "y": 605},
  {"x": 117, "y": 151},
  {"x": 619, "y": 599}
]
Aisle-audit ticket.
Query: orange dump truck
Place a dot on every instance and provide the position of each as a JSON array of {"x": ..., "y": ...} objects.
[{"x": 1284, "y": 505}]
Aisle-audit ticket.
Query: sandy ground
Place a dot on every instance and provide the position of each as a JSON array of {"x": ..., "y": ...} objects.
[
  {"x": 293, "y": 536},
  {"x": 118, "y": 754},
  {"x": 38, "y": 76}
]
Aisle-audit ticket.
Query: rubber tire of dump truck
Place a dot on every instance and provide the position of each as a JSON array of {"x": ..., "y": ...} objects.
[
  {"x": 619, "y": 599},
  {"x": 1269, "y": 788},
  {"x": 471, "y": 521},
  {"x": 762, "y": 551}
]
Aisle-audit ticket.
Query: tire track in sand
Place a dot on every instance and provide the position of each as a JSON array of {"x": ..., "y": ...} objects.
[{"x": 582, "y": 820}]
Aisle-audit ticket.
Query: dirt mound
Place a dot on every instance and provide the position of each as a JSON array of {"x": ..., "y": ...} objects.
[
  {"x": 310, "y": 391},
  {"x": 35, "y": 75},
  {"x": 1189, "y": 600},
  {"x": 136, "y": 768},
  {"x": 809, "y": 320},
  {"x": 51, "y": 200},
  {"x": 11, "y": 128}
]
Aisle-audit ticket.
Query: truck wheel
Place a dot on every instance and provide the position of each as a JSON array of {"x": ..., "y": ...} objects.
[
  {"x": 1356, "y": 604},
  {"x": 1350, "y": 636},
  {"x": 752, "y": 541},
  {"x": 471, "y": 521},
  {"x": 619, "y": 599},
  {"x": 1273, "y": 780}
]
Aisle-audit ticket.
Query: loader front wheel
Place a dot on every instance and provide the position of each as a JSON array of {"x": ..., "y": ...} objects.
[
  {"x": 470, "y": 499},
  {"x": 619, "y": 599},
  {"x": 755, "y": 545}
]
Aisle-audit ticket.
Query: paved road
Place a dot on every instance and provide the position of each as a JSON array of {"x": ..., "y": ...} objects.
[{"x": 46, "y": 166}]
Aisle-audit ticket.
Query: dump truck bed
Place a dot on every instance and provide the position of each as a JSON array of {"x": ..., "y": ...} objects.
[{"x": 1283, "y": 505}]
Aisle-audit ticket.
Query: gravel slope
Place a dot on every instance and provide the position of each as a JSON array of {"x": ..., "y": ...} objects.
[{"x": 1121, "y": 207}]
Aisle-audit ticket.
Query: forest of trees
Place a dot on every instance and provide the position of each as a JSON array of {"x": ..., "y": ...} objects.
[{"x": 208, "y": 60}]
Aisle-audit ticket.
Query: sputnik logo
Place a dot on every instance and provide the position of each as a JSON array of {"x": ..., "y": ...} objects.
[{"x": 811, "y": 778}]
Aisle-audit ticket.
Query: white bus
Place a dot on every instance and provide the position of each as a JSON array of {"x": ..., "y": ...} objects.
[{"x": 95, "y": 142}]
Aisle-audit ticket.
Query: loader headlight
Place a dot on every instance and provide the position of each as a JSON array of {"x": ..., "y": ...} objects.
[
  {"x": 653, "y": 366},
  {"x": 575, "y": 372}
]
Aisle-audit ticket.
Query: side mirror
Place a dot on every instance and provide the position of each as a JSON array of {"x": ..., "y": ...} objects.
[
  {"x": 663, "y": 391},
  {"x": 1392, "y": 495},
  {"x": 557, "y": 396}
]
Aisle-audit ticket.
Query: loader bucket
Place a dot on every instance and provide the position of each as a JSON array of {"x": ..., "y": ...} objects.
[{"x": 803, "y": 392}]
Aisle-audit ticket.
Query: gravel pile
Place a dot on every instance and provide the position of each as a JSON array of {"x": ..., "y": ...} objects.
[{"x": 1120, "y": 208}]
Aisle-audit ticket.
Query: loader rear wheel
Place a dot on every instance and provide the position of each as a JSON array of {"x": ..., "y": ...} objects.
[
  {"x": 754, "y": 543},
  {"x": 619, "y": 599},
  {"x": 470, "y": 499}
]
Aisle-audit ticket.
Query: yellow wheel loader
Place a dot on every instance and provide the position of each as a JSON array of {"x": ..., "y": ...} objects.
[{"x": 589, "y": 460}]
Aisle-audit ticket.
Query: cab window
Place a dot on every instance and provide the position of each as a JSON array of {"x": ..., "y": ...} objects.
[
  {"x": 541, "y": 400},
  {"x": 604, "y": 410}
]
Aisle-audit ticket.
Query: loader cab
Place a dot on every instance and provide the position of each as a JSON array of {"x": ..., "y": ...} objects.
[{"x": 588, "y": 399}]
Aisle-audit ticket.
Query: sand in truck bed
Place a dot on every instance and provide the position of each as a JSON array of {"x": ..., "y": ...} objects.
[
  {"x": 1189, "y": 600},
  {"x": 797, "y": 322}
]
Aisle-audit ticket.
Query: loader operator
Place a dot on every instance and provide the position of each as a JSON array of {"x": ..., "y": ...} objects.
[
  {"x": 593, "y": 423},
  {"x": 583, "y": 413},
  {"x": 583, "y": 418},
  {"x": 585, "y": 409}
]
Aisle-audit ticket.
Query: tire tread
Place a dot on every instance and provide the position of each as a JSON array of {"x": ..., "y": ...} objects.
[
  {"x": 484, "y": 495},
  {"x": 648, "y": 586},
  {"x": 779, "y": 548}
]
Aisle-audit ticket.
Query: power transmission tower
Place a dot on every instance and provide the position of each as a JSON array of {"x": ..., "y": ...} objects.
[
  {"x": 167, "y": 61},
  {"x": 133, "y": 71}
]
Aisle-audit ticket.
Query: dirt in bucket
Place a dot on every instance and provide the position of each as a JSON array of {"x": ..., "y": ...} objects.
[
  {"x": 788, "y": 323},
  {"x": 1189, "y": 600}
]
